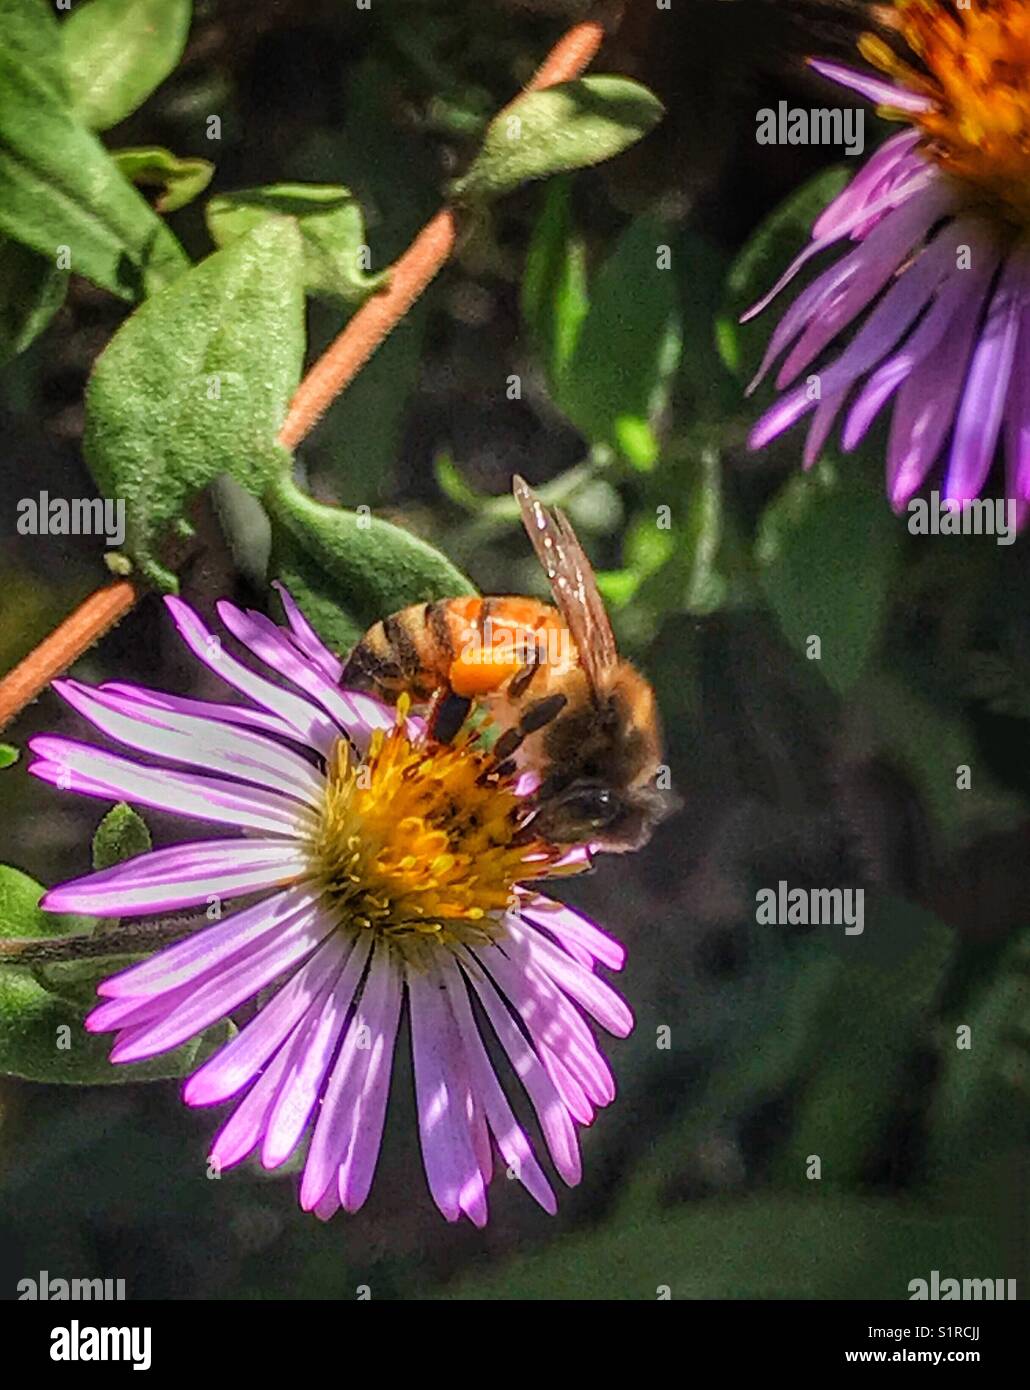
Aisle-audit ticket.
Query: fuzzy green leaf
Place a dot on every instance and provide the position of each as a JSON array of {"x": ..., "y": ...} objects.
[
  {"x": 347, "y": 569},
  {"x": 332, "y": 227},
  {"x": 117, "y": 51},
  {"x": 20, "y": 913},
  {"x": 60, "y": 191},
  {"x": 122, "y": 834},
  {"x": 41, "y": 1010},
  {"x": 196, "y": 383},
  {"x": 32, "y": 39},
  {"x": 568, "y": 126},
  {"x": 827, "y": 548},
  {"x": 8, "y": 755},
  {"x": 181, "y": 180}
]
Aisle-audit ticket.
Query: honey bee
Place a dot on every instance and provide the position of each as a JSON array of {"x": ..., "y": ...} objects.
[{"x": 566, "y": 705}]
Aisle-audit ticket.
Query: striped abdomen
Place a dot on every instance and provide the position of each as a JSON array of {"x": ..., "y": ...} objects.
[{"x": 470, "y": 646}]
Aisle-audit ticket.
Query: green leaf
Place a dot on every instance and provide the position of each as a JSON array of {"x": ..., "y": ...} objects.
[
  {"x": 554, "y": 282},
  {"x": 348, "y": 569},
  {"x": 151, "y": 166},
  {"x": 569, "y": 126},
  {"x": 20, "y": 913},
  {"x": 332, "y": 227},
  {"x": 32, "y": 39},
  {"x": 41, "y": 1032},
  {"x": 32, "y": 290},
  {"x": 617, "y": 378},
  {"x": 827, "y": 548},
  {"x": 117, "y": 51},
  {"x": 196, "y": 383},
  {"x": 9, "y": 755},
  {"x": 122, "y": 834},
  {"x": 760, "y": 264},
  {"x": 60, "y": 191}
]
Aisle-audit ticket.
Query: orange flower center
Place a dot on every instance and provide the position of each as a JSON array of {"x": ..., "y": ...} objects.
[{"x": 974, "y": 58}]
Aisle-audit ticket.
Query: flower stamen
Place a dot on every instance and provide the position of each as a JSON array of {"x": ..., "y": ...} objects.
[
  {"x": 976, "y": 65},
  {"x": 415, "y": 844}
]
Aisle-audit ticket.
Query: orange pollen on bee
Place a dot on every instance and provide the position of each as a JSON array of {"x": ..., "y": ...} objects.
[
  {"x": 416, "y": 843},
  {"x": 974, "y": 65}
]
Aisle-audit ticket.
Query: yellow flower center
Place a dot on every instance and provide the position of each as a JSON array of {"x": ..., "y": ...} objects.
[
  {"x": 975, "y": 67},
  {"x": 421, "y": 843}
]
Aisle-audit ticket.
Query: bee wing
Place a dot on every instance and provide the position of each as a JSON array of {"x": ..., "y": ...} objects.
[{"x": 572, "y": 581}]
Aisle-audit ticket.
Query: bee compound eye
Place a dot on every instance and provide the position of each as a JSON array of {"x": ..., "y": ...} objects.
[{"x": 598, "y": 805}]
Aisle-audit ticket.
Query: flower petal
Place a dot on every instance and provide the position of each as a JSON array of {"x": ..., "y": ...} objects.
[
  {"x": 511, "y": 1139},
  {"x": 238, "y": 1063},
  {"x": 441, "y": 1092},
  {"x": 925, "y": 180},
  {"x": 93, "y": 772},
  {"x": 189, "y": 1009},
  {"x": 368, "y": 1082},
  {"x": 876, "y": 260},
  {"x": 987, "y": 384},
  {"x": 375, "y": 1020},
  {"x": 572, "y": 927},
  {"x": 210, "y": 710},
  {"x": 267, "y": 641},
  {"x": 311, "y": 723},
  {"x": 181, "y": 876},
  {"x": 183, "y": 738},
  {"x": 599, "y": 999},
  {"x": 306, "y": 1074},
  {"x": 555, "y": 1122},
  {"x": 306, "y": 638},
  {"x": 874, "y": 178},
  {"x": 873, "y": 88}
]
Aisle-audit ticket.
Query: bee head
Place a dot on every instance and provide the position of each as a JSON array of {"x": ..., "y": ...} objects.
[{"x": 613, "y": 819}]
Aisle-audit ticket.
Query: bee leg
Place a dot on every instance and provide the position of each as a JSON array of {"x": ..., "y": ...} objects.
[
  {"x": 533, "y": 718},
  {"x": 447, "y": 713}
]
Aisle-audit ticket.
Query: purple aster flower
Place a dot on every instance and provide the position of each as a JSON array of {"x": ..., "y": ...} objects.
[
  {"x": 938, "y": 223},
  {"x": 375, "y": 867}
]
